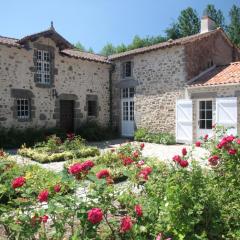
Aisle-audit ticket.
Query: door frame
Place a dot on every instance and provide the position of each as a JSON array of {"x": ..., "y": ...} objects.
[
  {"x": 73, "y": 112},
  {"x": 128, "y": 99},
  {"x": 208, "y": 131}
]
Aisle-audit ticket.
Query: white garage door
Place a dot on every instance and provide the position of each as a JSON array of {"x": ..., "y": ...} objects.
[
  {"x": 226, "y": 113},
  {"x": 184, "y": 121}
]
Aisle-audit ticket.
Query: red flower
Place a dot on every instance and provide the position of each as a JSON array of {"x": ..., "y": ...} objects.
[
  {"x": 138, "y": 210},
  {"x": 43, "y": 196},
  {"x": 136, "y": 154},
  {"x": 18, "y": 182},
  {"x": 232, "y": 151},
  {"x": 103, "y": 174},
  {"x": 198, "y": 144},
  {"x": 213, "y": 160},
  {"x": 127, "y": 161},
  {"x": 126, "y": 224},
  {"x": 95, "y": 215},
  {"x": 43, "y": 219},
  {"x": 142, "y": 145},
  {"x": 183, "y": 163},
  {"x": 57, "y": 188},
  {"x": 87, "y": 165},
  {"x": 238, "y": 141},
  {"x": 206, "y": 137},
  {"x": 230, "y": 138},
  {"x": 145, "y": 172},
  {"x": 75, "y": 168},
  {"x": 70, "y": 136},
  {"x": 2, "y": 154},
  {"x": 177, "y": 158},
  {"x": 184, "y": 151}
]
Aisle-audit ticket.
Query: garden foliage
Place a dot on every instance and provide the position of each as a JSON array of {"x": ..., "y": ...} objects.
[{"x": 158, "y": 201}]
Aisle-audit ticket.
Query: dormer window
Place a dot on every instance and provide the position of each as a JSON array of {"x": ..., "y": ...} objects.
[
  {"x": 127, "y": 69},
  {"x": 43, "y": 67}
]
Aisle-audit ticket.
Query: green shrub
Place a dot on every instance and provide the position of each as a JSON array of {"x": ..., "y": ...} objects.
[
  {"x": 92, "y": 131},
  {"x": 14, "y": 138},
  {"x": 160, "y": 138}
]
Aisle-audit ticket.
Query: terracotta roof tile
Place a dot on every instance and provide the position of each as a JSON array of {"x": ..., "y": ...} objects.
[
  {"x": 85, "y": 55},
  {"x": 228, "y": 74},
  {"x": 9, "y": 41},
  {"x": 169, "y": 43}
]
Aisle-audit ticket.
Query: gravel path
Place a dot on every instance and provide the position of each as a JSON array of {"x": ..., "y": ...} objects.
[{"x": 161, "y": 152}]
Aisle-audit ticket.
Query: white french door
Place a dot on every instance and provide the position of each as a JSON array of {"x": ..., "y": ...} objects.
[
  {"x": 127, "y": 102},
  {"x": 205, "y": 118}
]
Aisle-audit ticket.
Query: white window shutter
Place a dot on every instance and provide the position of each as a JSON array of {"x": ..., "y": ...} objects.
[
  {"x": 226, "y": 113},
  {"x": 184, "y": 121}
]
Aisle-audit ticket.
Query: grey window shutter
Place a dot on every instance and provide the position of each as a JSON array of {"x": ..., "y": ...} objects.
[
  {"x": 35, "y": 64},
  {"x": 123, "y": 70}
]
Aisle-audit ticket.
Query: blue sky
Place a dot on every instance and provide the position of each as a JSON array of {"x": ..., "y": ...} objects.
[{"x": 96, "y": 22}]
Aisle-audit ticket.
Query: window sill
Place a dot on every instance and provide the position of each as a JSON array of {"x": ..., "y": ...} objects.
[{"x": 24, "y": 120}]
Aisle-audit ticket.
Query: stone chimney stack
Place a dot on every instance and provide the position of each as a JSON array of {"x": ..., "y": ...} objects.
[{"x": 207, "y": 24}]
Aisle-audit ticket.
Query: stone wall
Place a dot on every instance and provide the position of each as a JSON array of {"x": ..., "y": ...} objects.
[
  {"x": 72, "y": 77},
  {"x": 160, "y": 77},
  {"x": 201, "y": 53},
  {"x": 212, "y": 92}
]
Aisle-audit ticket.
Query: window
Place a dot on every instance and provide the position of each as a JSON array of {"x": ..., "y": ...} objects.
[
  {"x": 128, "y": 92},
  {"x": 92, "y": 108},
  {"x": 43, "y": 67},
  {"x": 205, "y": 114},
  {"x": 23, "y": 108},
  {"x": 127, "y": 69}
]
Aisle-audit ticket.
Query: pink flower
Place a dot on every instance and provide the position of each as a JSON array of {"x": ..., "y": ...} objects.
[
  {"x": 198, "y": 144},
  {"x": 177, "y": 158},
  {"x": 142, "y": 145},
  {"x": 43, "y": 219},
  {"x": 238, "y": 141},
  {"x": 95, "y": 215},
  {"x": 213, "y": 161},
  {"x": 140, "y": 163},
  {"x": 184, "y": 151},
  {"x": 160, "y": 237},
  {"x": 57, "y": 188},
  {"x": 18, "y": 182},
  {"x": 127, "y": 161},
  {"x": 43, "y": 196},
  {"x": 126, "y": 224},
  {"x": 75, "y": 168},
  {"x": 70, "y": 136},
  {"x": 103, "y": 174},
  {"x": 145, "y": 172},
  {"x": 138, "y": 210},
  {"x": 232, "y": 151},
  {"x": 183, "y": 163},
  {"x": 230, "y": 138}
]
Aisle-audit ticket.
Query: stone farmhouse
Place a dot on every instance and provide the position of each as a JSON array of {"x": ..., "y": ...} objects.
[{"x": 180, "y": 86}]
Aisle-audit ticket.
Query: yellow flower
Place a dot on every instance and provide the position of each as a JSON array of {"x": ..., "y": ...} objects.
[{"x": 28, "y": 175}]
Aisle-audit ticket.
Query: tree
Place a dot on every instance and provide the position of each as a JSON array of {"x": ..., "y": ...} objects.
[
  {"x": 215, "y": 14},
  {"x": 90, "y": 50},
  {"x": 79, "y": 46},
  {"x": 188, "y": 22},
  {"x": 173, "y": 31},
  {"x": 121, "y": 48},
  {"x": 108, "y": 49},
  {"x": 234, "y": 26}
]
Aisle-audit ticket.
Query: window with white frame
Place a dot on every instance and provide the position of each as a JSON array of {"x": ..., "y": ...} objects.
[
  {"x": 23, "y": 108},
  {"x": 127, "y": 92},
  {"x": 43, "y": 66}
]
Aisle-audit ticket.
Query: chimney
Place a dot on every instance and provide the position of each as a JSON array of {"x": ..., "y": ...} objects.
[{"x": 207, "y": 24}]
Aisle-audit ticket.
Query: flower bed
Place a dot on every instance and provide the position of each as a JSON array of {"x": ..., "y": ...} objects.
[
  {"x": 54, "y": 150},
  {"x": 158, "y": 202}
]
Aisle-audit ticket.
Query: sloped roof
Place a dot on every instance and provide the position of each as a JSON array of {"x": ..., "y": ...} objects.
[
  {"x": 228, "y": 74},
  {"x": 85, "y": 55},
  {"x": 65, "y": 47},
  {"x": 169, "y": 43}
]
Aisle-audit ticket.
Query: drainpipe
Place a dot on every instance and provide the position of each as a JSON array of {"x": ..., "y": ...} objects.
[{"x": 111, "y": 70}]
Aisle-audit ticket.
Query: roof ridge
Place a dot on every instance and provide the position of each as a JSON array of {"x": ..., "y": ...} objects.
[
  {"x": 9, "y": 38},
  {"x": 162, "y": 44},
  {"x": 76, "y": 49}
]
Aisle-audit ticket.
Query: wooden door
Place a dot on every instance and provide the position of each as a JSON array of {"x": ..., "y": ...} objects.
[{"x": 67, "y": 115}]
